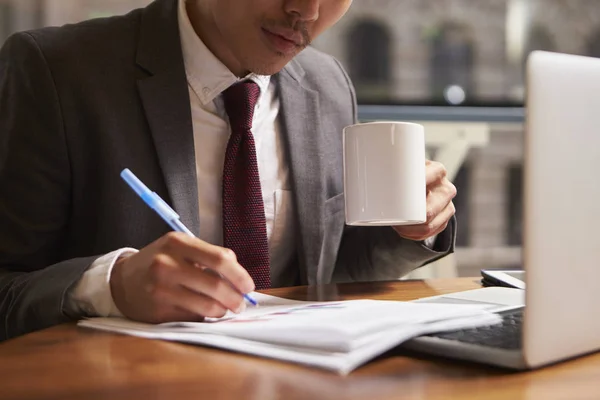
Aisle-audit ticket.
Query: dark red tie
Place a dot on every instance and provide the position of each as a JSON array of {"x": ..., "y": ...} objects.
[{"x": 244, "y": 224}]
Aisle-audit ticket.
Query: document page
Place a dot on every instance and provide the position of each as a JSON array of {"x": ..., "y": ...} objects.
[{"x": 338, "y": 335}]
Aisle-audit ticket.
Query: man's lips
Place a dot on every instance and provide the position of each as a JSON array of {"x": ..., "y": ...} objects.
[
  {"x": 284, "y": 41},
  {"x": 290, "y": 35}
]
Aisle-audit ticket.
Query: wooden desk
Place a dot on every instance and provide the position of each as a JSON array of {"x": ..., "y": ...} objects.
[{"x": 67, "y": 362}]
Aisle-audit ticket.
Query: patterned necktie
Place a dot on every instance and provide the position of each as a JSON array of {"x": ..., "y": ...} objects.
[{"x": 244, "y": 224}]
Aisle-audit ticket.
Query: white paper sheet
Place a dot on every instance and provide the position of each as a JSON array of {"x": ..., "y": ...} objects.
[{"x": 337, "y": 336}]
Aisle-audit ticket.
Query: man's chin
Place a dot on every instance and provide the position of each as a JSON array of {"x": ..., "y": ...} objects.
[{"x": 273, "y": 66}]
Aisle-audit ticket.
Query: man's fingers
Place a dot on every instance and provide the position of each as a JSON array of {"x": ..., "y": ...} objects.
[
  {"x": 169, "y": 271},
  {"x": 427, "y": 230},
  {"x": 434, "y": 172},
  {"x": 440, "y": 209},
  {"x": 441, "y": 222},
  {"x": 188, "y": 303},
  {"x": 174, "y": 314},
  {"x": 206, "y": 282},
  {"x": 439, "y": 198},
  {"x": 217, "y": 258}
]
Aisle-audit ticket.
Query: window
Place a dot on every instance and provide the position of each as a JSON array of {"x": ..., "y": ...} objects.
[
  {"x": 368, "y": 47},
  {"x": 451, "y": 63}
]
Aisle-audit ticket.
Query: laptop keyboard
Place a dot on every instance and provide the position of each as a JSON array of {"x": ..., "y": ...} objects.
[{"x": 505, "y": 335}]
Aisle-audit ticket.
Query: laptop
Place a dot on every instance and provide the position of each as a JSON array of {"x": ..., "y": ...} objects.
[{"x": 557, "y": 316}]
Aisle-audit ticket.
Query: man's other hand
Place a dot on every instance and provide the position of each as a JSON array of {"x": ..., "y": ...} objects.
[{"x": 440, "y": 209}]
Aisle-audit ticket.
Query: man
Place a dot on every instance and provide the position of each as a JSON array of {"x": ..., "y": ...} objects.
[{"x": 160, "y": 91}]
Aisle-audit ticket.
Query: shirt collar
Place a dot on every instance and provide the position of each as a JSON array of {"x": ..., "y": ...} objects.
[{"x": 206, "y": 74}]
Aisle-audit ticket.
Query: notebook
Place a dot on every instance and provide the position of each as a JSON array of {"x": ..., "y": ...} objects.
[{"x": 338, "y": 336}]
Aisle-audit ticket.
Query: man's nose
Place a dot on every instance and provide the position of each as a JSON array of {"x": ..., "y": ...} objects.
[{"x": 303, "y": 10}]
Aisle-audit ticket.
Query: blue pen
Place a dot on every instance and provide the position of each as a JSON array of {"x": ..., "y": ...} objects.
[{"x": 162, "y": 208}]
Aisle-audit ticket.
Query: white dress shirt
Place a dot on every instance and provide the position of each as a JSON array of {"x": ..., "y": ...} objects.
[{"x": 207, "y": 78}]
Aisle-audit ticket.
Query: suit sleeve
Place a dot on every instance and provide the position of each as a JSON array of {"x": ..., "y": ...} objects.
[
  {"x": 34, "y": 193},
  {"x": 379, "y": 253}
]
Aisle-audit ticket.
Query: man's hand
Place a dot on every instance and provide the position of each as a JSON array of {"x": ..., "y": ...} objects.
[
  {"x": 440, "y": 209},
  {"x": 168, "y": 281}
]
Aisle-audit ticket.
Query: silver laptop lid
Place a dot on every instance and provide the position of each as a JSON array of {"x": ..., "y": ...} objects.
[{"x": 562, "y": 207}]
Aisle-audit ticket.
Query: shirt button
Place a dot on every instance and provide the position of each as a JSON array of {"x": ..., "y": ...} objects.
[{"x": 206, "y": 91}]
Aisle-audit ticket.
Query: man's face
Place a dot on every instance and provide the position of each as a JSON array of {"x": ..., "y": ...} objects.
[{"x": 262, "y": 36}]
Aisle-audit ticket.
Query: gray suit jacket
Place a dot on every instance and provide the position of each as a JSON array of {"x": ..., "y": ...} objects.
[{"x": 80, "y": 103}]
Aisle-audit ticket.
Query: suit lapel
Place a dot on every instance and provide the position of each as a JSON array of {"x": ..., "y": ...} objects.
[
  {"x": 164, "y": 94},
  {"x": 302, "y": 127}
]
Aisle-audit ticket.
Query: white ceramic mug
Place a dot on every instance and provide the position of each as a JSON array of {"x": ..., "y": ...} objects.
[{"x": 384, "y": 174}]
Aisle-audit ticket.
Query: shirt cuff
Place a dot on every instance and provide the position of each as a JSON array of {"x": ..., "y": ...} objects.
[{"x": 92, "y": 294}]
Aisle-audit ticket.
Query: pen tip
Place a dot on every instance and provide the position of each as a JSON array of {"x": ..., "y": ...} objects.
[{"x": 250, "y": 300}]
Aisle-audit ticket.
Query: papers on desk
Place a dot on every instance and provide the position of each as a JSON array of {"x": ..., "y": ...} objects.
[{"x": 337, "y": 336}]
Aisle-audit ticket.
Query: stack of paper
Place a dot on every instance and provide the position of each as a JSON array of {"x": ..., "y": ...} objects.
[{"x": 337, "y": 336}]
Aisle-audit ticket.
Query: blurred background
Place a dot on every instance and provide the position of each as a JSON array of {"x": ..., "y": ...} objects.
[{"x": 457, "y": 66}]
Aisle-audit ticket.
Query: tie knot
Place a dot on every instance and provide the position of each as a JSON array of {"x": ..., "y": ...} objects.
[{"x": 240, "y": 100}]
